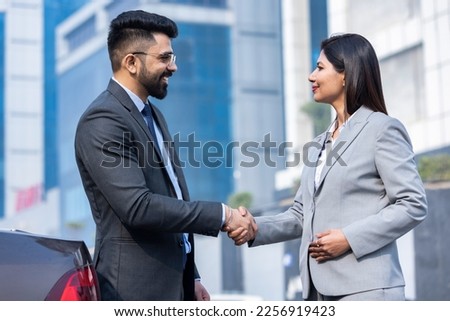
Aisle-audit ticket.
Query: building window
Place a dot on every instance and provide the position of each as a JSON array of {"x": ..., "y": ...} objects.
[
  {"x": 118, "y": 6},
  {"x": 82, "y": 34}
]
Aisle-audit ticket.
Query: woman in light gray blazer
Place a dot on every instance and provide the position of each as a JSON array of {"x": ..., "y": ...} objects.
[{"x": 363, "y": 190}]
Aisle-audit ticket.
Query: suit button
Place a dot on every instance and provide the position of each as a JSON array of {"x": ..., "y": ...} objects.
[{"x": 180, "y": 243}]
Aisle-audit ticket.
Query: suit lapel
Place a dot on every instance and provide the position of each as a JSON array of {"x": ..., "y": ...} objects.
[
  {"x": 345, "y": 139},
  {"x": 121, "y": 95},
  {"x": 117, "y": 91}
]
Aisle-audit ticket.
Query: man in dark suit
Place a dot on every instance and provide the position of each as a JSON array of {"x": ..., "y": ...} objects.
[{"x": 144, "y": 247}]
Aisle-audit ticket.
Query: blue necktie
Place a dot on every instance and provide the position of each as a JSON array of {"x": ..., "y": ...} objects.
[{"x": 147, "y": 113}]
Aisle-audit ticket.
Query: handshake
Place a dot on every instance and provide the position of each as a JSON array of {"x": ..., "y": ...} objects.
[{"x": 240, "y": 225}]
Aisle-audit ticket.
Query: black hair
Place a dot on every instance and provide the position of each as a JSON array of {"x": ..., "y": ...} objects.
[
  {"x": 134, "y": 28},
  {"x": 354, "y": 55}
]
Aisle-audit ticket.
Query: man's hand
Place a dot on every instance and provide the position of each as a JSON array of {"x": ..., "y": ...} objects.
[
  {"x": 201, "y": 294},
  {"x": 240, "y": 225}
]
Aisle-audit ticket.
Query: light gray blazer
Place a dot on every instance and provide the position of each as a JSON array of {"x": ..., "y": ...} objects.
[{"x": 371, "y": 190}]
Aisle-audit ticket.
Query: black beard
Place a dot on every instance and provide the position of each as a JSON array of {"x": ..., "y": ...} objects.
[
  {"x": 158, "y": 93},
  {"x": 160, "y": 90}
]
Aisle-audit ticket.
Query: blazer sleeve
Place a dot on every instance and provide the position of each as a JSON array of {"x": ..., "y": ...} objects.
[
  {"x": 111, "y": 172},
  {"x": 282, "y": 227},
  {"x": 394, "y": 161}
]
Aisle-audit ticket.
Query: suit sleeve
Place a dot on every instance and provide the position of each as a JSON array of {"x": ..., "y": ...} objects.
[
  {"x": 282, "y": 227},
  {"x": 394, "y": 161},
  {"x": 111, "y": 171}
]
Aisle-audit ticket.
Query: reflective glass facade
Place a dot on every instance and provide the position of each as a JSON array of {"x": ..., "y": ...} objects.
[{"x": 198, "y": 108}]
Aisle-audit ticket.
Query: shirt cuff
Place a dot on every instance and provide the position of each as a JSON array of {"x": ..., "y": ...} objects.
[{"x": 223, "y": 214}]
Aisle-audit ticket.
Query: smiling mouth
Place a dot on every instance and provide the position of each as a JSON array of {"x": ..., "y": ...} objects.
[
  {"x": 165, "y": 80},
  {"x": 166, "y": 77}
]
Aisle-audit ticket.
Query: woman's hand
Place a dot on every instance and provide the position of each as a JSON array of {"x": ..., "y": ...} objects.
[{"x": 328, "y": 245}]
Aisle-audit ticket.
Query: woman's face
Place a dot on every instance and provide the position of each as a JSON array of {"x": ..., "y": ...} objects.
[{"x": 327, "y": 84}]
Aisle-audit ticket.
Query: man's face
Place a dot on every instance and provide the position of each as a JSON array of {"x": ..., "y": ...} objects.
[{"x": 158, "y": 64}]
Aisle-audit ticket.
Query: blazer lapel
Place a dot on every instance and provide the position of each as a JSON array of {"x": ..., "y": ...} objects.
[
  {"x": 352, "y": 130},
  {"x": 312, "y": 156}
]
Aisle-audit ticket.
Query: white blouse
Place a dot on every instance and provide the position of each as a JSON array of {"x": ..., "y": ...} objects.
[{"x": 324, "y": 151}]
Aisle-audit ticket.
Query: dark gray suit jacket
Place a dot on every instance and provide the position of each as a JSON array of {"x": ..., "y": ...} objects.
[
  {"x": 139, "y": 220},
  {"x": 371, "y": 190}
]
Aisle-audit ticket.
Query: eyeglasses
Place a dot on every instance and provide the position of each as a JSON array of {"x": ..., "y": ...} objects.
[{"x": 168, "y": 58}]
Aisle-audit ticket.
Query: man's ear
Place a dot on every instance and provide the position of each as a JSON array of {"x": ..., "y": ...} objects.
[{"x": 130, "y": 63}]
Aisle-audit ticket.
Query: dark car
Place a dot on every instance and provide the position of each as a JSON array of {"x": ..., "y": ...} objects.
[{"x": 36, "y": 267}]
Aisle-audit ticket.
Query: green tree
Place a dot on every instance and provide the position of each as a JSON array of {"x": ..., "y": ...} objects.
[
  {"x": 240, "y": 199},
  {"x": 434, "y": 168}
]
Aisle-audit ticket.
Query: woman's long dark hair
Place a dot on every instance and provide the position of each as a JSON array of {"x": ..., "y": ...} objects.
[{"x": 354, "y": 55}]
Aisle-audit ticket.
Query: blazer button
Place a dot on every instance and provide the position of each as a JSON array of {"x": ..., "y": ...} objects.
[{"x": 180, "y": 243}]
